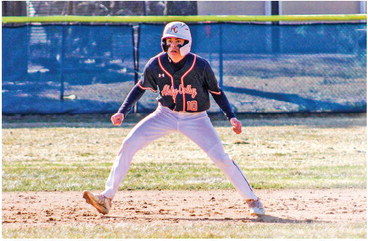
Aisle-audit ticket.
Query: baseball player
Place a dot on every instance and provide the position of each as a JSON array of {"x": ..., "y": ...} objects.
[{"x": 183, "y": 81}]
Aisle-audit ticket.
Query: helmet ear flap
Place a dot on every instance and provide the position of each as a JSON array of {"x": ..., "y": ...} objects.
[{"x": 185, "y": 49}]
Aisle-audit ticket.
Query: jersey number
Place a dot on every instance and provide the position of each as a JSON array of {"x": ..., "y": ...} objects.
[{"x": 192, "y": 105}]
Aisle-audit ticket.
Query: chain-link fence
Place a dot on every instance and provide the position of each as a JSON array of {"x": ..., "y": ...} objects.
[{"x": 261, "y": 67}]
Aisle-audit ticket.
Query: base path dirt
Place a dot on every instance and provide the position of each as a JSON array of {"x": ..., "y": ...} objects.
[{"x": 169, "y": 207}]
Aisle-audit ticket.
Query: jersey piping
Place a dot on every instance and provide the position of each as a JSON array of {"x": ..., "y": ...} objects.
[
  {"x": 182, "y": 80},
  {"x": 167, "y": 72}
]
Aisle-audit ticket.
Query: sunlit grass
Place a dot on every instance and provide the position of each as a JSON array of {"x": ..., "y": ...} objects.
[
  {"x": 172, "y": 176},
  {"x": 190, "y": 230},
  {"x": 63, "y": 159}
]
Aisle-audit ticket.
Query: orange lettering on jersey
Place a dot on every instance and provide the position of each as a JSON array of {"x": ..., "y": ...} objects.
[
  {"x": 188, "y": 90},
  {"x": 170, "y": 91}
]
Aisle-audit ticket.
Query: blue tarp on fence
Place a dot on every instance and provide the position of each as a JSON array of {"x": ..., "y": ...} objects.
[{"x": 261, "y": 67}]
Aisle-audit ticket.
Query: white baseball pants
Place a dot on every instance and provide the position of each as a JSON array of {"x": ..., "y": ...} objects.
[{"x": 196, "y": 126}]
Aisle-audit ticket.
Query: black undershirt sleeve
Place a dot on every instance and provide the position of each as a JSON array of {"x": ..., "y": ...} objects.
[
  {"x": 224, "y": 104},
  {"x": 134, "y": 95}
]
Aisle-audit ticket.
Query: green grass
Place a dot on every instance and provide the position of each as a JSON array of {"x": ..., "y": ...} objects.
[
  {"x": 48, "y": 176},
  {"x": 215, "y": 230}
]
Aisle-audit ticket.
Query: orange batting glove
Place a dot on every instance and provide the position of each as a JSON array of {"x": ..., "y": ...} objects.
[
  {"x": 117, "y": 119},
  {"x": 237, "y": 125}
]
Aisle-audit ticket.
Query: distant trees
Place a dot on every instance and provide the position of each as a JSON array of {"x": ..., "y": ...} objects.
[{"x": 98, "y": 8}]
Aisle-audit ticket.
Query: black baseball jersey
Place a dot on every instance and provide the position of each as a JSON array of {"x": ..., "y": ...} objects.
[{"x": 184, "y": 90}]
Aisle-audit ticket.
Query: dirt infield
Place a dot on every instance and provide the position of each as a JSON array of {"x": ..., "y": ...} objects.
[{"x": 173, "y": 207}]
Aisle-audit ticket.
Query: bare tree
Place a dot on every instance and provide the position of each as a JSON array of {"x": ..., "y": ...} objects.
[
  {"x": 14, "y": 8},
  {"x": 181, "y": 8}
]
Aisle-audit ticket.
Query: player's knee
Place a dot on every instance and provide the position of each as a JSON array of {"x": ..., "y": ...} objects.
[
  {"x": 129, "y": 142},
  {"x": 218, "y": 155},
  {"x": 130, "y": 145}
]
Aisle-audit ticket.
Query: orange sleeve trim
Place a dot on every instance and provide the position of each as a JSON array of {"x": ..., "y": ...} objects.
[
  {"x": 215, "y": 93},
  {"x": 145, "y": 88}
]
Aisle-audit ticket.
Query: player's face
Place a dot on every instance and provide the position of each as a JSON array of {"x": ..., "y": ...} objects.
[{"x": 174, "y": 45}]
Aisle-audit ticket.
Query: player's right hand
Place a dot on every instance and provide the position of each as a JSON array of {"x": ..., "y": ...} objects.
[{"x": 117, "y": 119}]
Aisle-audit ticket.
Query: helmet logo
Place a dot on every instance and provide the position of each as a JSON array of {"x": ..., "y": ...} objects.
[{"x": 174, "y": 29}]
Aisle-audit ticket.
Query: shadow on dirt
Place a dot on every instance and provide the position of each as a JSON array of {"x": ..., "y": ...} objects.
[{"x": 262, "y": 219}]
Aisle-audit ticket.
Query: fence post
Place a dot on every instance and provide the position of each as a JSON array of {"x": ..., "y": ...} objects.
[
  {"x": 275, "y": 30},
  {"x": 135, "y": 36},
  {"x": 221, "y": 66},
  {"x": 62, "y": 56}
]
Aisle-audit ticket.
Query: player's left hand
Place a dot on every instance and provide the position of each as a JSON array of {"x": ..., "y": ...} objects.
[{"x": 237, "y": 125}]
